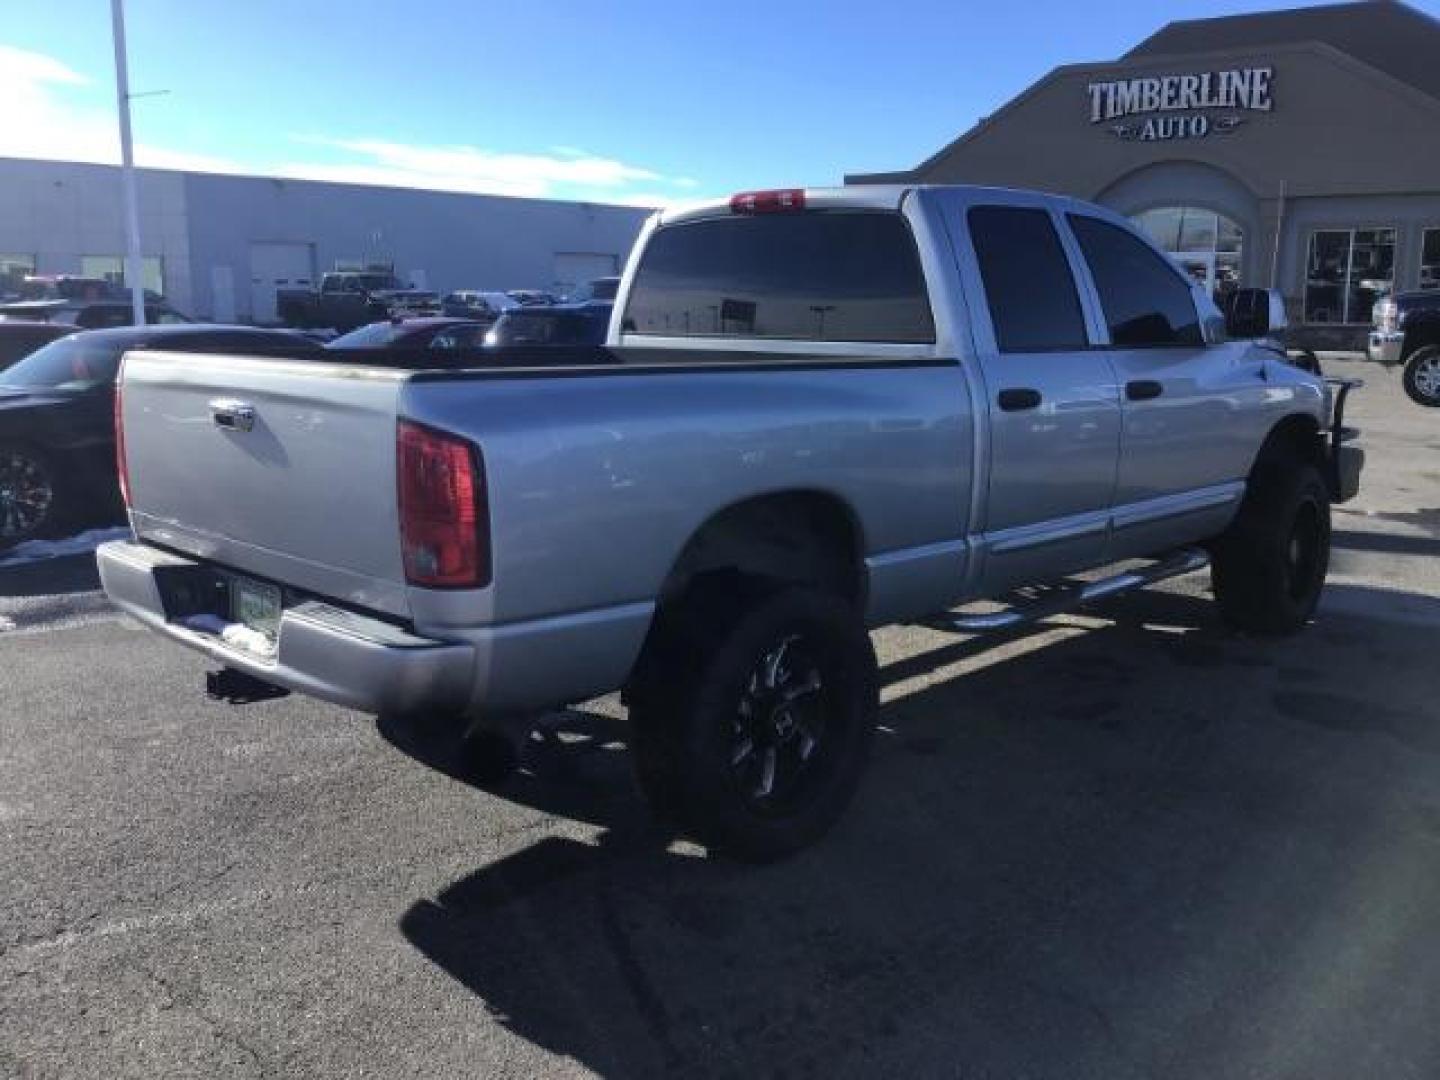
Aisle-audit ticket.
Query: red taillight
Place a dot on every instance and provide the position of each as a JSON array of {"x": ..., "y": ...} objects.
[
  {"x": 121, "y": 468},
  {"x": 768, "y": 202},
  {"x": 443, "y": 520}
]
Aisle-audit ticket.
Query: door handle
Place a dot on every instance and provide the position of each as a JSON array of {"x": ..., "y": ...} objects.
[
  {"x": 1144, "y": 389},
  {"x": 1018, "y": 399},
  {"x": 232, "y": 415}
]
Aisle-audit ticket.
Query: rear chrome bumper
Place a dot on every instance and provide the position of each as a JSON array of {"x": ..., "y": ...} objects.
[
  {"x": 1383, "y": 346},
  {"x": 327, "y": 652}
]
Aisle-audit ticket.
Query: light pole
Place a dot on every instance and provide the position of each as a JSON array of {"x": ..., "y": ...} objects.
[{"x": 127, "y": 168}]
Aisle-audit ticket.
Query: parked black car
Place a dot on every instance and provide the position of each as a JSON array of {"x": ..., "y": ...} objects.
[
  {"x": 57, "y": 427},
  {"x": 90, "y": 314},
  {"x": 432, "y": 332},
  {"x": 562, "y": 324},
  {"x": 19, "y": 339},
  {"x": 1406, "y": 330}
]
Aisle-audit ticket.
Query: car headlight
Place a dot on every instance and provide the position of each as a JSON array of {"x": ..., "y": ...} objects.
[
  {"x": 491, "y": 338},
  {"x": 1385, "y": 315}
]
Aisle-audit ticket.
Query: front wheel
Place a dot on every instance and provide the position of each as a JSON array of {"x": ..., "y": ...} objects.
[
  {"x": 29, "y": 495},
  {"x": 1422, "y": 376},
  {"x": 754, "y": 734},
  {"x": 1269, "y": 568}
]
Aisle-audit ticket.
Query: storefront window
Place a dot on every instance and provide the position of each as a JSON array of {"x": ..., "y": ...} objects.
[
  {"x": 13, "y": 270},
  {"x": 112, "y": 269},
  {"x": 1430, "y": 260},
  {"x": 1230, "y": 236},
  {"x": 1346, "y": 272},
  {"x": 1207, "y": 245}
]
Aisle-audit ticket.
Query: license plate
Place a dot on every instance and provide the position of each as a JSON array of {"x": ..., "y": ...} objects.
[{"x": 255, "y": 604}]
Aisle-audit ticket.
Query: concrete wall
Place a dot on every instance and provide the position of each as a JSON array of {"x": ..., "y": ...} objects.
[
  {"x": 61, "y": 211},
  {"x": 58, "y": 212},
  {"x": 458, "y": 241}
]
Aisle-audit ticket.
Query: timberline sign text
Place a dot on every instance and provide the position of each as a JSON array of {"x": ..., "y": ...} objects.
[{"x": 1233, "y": 92}]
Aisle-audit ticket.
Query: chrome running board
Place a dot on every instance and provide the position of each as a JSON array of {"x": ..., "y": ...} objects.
[{"x": 1184, "y": 561}]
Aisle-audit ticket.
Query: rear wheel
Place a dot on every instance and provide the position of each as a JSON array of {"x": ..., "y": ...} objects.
[
  {"x": 754, "y": 731},
  {"x": 1270, "y": 566},
  {"x": 29, "y": 495},
  {"x": 1422, "y": 376}
]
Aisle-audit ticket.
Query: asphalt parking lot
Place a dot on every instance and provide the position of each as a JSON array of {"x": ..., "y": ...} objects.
[{"x": 1127, "y": 843}]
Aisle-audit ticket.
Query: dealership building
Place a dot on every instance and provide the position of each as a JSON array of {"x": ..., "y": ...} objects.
[
  {"x": 218, "y": 247},
  {"x": 1295, "y": 149}
]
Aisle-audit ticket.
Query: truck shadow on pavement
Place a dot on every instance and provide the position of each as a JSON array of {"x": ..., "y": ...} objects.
[{"x": 1144, "y": 847}]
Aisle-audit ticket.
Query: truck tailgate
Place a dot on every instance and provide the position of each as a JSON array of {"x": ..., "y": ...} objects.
[{"x": 283, "y": 469}]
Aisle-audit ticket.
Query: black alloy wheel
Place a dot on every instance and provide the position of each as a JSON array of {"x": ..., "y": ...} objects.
[
  {"x": 27, "y": 495},
  {"x": 778, "y": 734}
]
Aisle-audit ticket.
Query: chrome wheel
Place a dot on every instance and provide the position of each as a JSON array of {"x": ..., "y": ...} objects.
[
  {"x": 778, "y": 732},
  {"x": 27, "y": 495}
]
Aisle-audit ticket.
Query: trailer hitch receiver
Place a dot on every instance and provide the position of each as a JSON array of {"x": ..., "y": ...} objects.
[{"x": 240, "y": 688}]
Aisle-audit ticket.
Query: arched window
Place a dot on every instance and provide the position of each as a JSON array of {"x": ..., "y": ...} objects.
[{"x": 1206, "y": 244}]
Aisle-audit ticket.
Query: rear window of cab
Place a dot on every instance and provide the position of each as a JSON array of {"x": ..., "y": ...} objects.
[{"x": 820, "y": 275}]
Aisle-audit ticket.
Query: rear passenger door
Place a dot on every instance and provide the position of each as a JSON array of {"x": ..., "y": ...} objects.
[
  {"x": 1051, "y": 399},
  {"x": 1183, "y": 420}
]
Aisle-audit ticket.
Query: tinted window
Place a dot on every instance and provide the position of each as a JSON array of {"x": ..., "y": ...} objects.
[
  {"x": 819, "y": 276},
  {"x": 1146, "y": 302},
  {"x": 464, "y": 336},
  {"x": 17, "y": 342},
  {"x": 1032, "y": 298},
  {"x": 72, "y": 363}
]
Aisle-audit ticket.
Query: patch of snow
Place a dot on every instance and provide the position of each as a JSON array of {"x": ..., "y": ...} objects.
[{"x": 40, "y": 550}]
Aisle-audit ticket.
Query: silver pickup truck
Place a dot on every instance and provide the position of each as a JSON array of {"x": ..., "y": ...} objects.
[{"x": 818, "y": 411}]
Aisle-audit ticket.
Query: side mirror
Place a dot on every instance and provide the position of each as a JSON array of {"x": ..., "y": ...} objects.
[{"x": 1255, "y": 313}]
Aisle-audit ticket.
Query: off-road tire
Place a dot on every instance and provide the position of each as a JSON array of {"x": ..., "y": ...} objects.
[
  {"x": 1422, "y": 376},
  {"x": 732, "y": 666},
  {"x": 1269, "y": 567}
]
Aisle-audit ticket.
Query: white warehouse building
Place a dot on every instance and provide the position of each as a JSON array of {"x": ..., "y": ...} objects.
[{"x": 218, "y": 247}]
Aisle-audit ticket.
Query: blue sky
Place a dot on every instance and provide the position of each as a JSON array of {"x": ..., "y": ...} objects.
[{"x": 637, "y": 101}]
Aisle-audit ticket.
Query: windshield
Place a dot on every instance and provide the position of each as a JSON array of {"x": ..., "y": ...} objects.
[
  {"x": 72, "y": 363},
  {"x": 374, "y": 336}
]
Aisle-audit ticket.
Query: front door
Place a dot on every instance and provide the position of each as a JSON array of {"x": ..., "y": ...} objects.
[
  {"x": 1054, "y": 413},
  {"x": 1184, "y": 443}
]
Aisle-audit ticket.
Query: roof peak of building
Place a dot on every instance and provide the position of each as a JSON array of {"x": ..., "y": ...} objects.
[{"x": 1389, "y": 35}]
